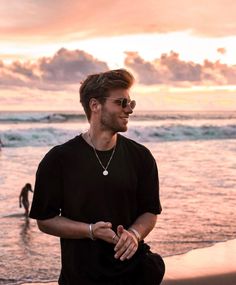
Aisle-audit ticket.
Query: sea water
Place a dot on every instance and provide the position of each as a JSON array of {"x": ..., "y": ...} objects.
[{"x": 196, "y": 157}]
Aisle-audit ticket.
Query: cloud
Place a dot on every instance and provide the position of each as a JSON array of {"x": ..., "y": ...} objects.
[
  {"x": 63, "y": 69},
  {"x": 180, "y": 70},
  {"x": 67, "y": 68},
  {"x": 26, "y": 70},
  {"x": 221, "y": 50},
  {"x": 219, "y": 73},
  {"x": 169, "y": 69},
  {"x": 148, "y": 73},
  {"x": 56, "y": 19}
]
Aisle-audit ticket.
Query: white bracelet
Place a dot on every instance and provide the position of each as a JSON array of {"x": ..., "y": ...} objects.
[
  {"x": 91, "y": 232},
  {"x": 136, "y": 233}
]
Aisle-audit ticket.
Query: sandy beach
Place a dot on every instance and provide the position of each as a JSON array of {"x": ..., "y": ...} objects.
[{"x": 215, "y": 265}]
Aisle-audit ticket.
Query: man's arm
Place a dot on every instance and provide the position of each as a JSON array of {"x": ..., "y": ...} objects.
[
  {"x": 128, "y": 239},
  {"x": 70, "y": 229},
  {"x": 144, "y": 224}
]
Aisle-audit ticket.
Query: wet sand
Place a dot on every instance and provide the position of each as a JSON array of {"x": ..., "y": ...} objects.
[{"x": 215, "y": 265}]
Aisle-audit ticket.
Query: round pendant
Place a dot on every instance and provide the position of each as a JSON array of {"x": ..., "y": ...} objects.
[{"x": 105, "y": 172}]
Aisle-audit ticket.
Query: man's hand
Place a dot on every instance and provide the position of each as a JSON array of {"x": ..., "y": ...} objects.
[
  {"x": 127, "y": 244},
  {"x": 103, "y": 230}
]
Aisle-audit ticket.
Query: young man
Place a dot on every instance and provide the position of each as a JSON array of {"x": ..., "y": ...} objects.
[{"x": 99, "y": 193}]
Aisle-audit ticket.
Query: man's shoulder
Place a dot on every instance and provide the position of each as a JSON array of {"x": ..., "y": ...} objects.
[
  {"x": 137, "y": 152},
  {"x": 134, "y": 145},
  {"x": 72, "y": 143},
  {"x": 56, "y": 152}
]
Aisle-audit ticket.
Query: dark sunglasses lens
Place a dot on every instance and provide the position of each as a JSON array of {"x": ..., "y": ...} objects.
[
  {"x": 125, "y": 102},
  {"x": 132, "y": 104}
]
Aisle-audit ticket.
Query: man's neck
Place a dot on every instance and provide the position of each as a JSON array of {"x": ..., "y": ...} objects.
[{"x": 101, "y": 140}]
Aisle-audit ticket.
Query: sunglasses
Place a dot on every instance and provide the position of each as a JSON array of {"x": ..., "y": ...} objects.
[{"x": 124, "y": 102}]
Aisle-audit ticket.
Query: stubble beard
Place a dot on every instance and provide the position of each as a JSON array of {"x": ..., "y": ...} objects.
[{"x": 110, "y": 122}]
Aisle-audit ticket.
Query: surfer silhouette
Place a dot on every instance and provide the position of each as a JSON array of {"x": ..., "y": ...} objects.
[{"x": 24, "y": 197}]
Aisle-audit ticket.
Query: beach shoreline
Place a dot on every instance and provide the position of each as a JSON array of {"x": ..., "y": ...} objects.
[{"x": 203, "y": 266}]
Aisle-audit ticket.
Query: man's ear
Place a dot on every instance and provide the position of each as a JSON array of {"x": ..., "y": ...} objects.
[{"x": 94, "y": 105}]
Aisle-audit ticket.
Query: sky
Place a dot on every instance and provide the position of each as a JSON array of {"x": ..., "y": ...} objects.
[{"x": 182, "y": 53}]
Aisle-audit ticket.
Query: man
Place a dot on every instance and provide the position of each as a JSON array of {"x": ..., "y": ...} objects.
[
  {"x": 99, "y": 193},
  {"x": 24, "y": 197}
]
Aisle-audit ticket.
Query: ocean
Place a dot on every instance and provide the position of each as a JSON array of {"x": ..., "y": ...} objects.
[{"x": 196, "y": 157}]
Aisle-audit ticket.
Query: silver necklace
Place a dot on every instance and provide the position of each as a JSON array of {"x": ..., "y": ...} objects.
[{"x": 105, "y": 171}]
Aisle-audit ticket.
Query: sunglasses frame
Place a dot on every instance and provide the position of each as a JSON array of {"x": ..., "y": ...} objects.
[{"x": 123, "y": 102}]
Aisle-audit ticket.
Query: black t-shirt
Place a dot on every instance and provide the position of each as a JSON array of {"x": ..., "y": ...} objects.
[{"x": 70, "y": 183}]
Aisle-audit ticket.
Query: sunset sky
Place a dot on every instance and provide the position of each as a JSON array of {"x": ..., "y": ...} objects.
[{"x": 182, "y": 53}]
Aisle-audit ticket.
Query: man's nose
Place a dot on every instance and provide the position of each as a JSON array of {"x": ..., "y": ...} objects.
[{"x": 128, "y": 109}]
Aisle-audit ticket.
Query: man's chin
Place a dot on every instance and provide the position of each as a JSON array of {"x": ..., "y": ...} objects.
[{"x": 123, "y": 129}]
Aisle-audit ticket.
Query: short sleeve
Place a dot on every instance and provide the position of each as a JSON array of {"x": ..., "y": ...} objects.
[
  {"x": 47, "y": 199},
  {"x": 148, "y": 189}
]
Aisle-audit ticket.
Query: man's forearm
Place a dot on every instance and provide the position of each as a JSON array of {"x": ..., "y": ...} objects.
[
  {"x": 64, "y": 228},
  {"x": 144, "y": 224}
]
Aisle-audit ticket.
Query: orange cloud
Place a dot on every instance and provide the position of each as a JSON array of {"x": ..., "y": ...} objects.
[
  {"x": 221, "y": 50},
  {"x": 80, "y": 19}
]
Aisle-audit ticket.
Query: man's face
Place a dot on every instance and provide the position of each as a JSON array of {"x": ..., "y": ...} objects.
[{"x": 113, "y": 116}]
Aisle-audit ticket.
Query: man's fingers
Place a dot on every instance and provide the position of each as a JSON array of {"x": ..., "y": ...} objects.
[
  {"x": 126, "y": 246},
  {"x": 115, "y": 238},
  {"x": 105, "y": 224},
  {"x": 126, "y": 252},
  {"x": 123, "y": 248},
  {"x": 129, "y": 252},
  {"x": 120, "y": 243},
  {"x": 108, "y": 224},
  {"x": 120, "y": 230},
  {"x": 102, "y": 230}
]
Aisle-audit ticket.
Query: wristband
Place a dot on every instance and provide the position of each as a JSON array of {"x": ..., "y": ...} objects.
[
  {"x": 136, "y": 233},
  {"x": 91, "y": 232}
]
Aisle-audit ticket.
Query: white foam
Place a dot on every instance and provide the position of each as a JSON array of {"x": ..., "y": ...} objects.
[{"x": 47, "y": 136}]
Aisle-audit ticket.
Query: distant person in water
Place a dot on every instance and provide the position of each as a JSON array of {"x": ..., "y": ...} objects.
[
  {"x": 1, "y": 144},
  {"x": 24, "y": 197}
]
